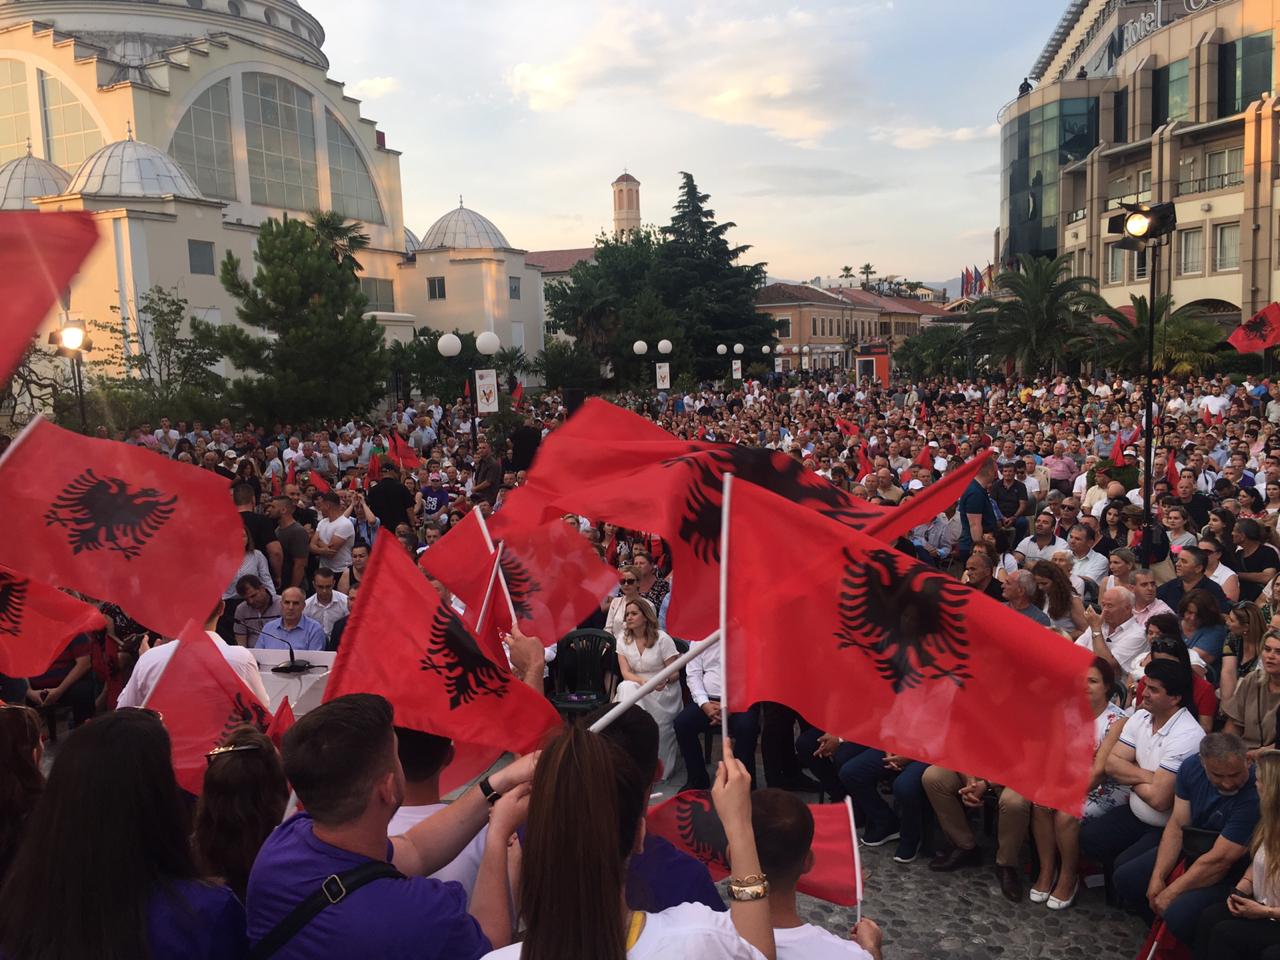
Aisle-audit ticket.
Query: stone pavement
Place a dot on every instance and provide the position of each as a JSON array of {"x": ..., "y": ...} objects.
[{"x": 962, "y": 915}]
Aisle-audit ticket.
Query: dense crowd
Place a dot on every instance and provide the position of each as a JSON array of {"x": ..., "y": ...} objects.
[{"x": 1182, "y": 815}]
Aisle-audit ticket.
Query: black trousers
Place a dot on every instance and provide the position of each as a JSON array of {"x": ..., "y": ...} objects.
[
  {"x": 778, "y": 743},
  {"x": 1221, "y": 936}
]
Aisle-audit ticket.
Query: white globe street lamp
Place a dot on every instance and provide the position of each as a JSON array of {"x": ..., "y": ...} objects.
[
  {"x": 738, "y": 348},
  {"x": 449, "y": 345},
  {"x": 640, "y": 348},
  {"x": 664, "y": 346},
  {"x": 488, "y": 343},
  {"x": 721, "y": 349},
  {"x": 765, "y": 349}
]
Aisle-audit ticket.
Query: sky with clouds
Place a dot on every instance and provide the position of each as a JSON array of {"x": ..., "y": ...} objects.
[{"x": 832, "y": 133}]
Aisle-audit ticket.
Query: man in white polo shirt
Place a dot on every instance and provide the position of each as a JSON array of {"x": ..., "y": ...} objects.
[
  {"x": 146, "y": 672},
  {"x": 1152, "y": 746}
]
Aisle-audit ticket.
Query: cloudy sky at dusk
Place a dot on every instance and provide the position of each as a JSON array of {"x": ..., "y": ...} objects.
[{"x": 831, "y": 133}]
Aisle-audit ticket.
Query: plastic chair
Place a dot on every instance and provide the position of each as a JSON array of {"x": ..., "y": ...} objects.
[{"x": 586, "y": 671}]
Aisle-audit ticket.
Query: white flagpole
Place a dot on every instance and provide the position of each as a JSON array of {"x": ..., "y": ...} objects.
[
  {"x": 671, "y": 669},
  {"x": 494, "y": 573},
  {"x": 484, "y": 528},
  {"x": 857, "y": 859},
  {"x": 727, "y": 480}
]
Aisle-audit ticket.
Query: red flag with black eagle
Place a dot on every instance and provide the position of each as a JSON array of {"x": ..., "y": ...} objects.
[
  {"x": 910, "y": 660},
  {"x": 404, "y": 643},
  {"x": 37, "y": 622},
  {"x": 463, "y": 561},
  {"x": 554, "y": 578},
  {"x": 39, "y": 255},
  {"x": 690, "y": 822},
  {"x": 280, "y": 723},
  {"x": 117, "y": 522},
  {"x": 200, "y": 700},
  {"x": 402, "y": 453},
  {"x": 612, "y": 465},
  {"x": 1259, "y": 332}
]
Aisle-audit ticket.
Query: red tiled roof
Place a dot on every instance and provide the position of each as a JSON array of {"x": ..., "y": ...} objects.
[
  {"x": 865, "y": 298},
  {"x": 558, "y": 261},
  {"x": 795, "y": 293},
  {"x": 1126, "y": 311}
]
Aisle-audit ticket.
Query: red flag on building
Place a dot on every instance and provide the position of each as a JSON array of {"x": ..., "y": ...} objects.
[
  {"x": 932, "y": 662},
  {"x": 37, "y": 622},
  {"x": 39, "y": 255},
  {"x": 200, "y": 700},
  {"x": 114, "y": 521},
  {"x": 280, "y": 723},
  {"x": 690, "y": 822},
  {"x": 403, "y": 643},
  {"x": 317, "y": 480},
  {"x": 402, "y": 453},
  {"x": 1259, "y": 332},
  {"x": 555, "y": 580}
]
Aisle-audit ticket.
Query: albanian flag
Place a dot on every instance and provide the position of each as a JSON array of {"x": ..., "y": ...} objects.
[
  {"x": 554, "y": 579},
  {"x": 200, "y": 701},
  {"x": 317, "y": 480},
  {"x": 874, "y": 647},
  {"x": 280, "y": 723},
  {"x": 690, "y": 822},
  {"x": 846, "y": 427},
  {"x": 37, "y": 622},
  {"x": 401, "y": 452},
  {"x": 39, "y": 255},
  {"x": 1259, "y": 332},
  {"x": 463, "y": 560},
  {"x": 403, "y": 643},
  {"x": 117, "y": 522}
]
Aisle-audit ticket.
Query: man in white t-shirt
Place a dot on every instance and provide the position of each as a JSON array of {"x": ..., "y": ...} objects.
[
  {"x": 423, "y": 756},
  {"x": 146, "y": 672},
  {"x": 783, "y": 827},
  {"x": 1043, "y": 542},
  {"x": 166, "y": 437},
  {"x": 335, "y": 534},
  {"x": 1152, "y": 746}
]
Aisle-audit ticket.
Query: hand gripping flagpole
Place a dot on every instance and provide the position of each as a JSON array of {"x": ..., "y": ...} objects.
[
  {"x": 857, "y": 860},
  {"x": 727, "y": 480},
  {"x": 652, "y": 684},
  {"x": 506, "y": 592}
]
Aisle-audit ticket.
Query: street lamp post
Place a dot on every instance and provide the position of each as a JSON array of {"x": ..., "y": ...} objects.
[
  {"x": 640, "y": 348},
  {"x": 73, "y": 343},
  {"x": 487, "y": 344}
]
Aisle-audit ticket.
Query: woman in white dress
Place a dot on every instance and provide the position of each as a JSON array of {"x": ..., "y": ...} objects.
[{"x": 643, "y": 650}]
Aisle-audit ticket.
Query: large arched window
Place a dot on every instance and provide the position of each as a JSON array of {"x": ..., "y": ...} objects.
[
  {"x": 15, "y": 120},
  {"x": 280, "y": 139},
  {"x": 70, "y": 134},
  {"x": 202, "y": 142},
  {"x": 351, "y": 187}
]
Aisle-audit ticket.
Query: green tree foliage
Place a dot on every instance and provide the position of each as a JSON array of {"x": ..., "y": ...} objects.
[
  {"x": 433, "y": 375},
  {"x": 683, "y": 284},
  {"x": 148, "y": 368},
  {"x": 936, "y": 351},
  {"x": 1184, "y": 345},
  {"x": 344, "y": 237},
  {"x": 318, "y": 357},
  {"x": 562, "y": 364},
  {"x": 1036, "y": 317}
]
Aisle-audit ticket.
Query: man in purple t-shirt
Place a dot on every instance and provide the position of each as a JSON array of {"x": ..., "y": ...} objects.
[{"x": 341, "y": 759}]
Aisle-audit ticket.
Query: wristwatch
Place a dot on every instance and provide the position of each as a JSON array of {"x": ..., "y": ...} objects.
[{"x": 490, "y": 794}]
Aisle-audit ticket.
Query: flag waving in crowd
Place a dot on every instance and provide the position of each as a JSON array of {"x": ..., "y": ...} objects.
[{"x": 37, "y": 622}]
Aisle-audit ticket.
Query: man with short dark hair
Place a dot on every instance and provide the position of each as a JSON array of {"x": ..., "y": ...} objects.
[
  {"x": 1010, "y": 495},
  {"x": 1190, "y": 570},
  {"x": 341, "y": 759},
  {"x": 977, "y": 515},
  {"x": 389, "y": 500},
  {"x": 326, "y": 606},
  {"x": 262, "y": 531},
  {"x": 260, "y": 606},
  {"x": 783, "y": 827},
  {"x": 1216, "y": 796},
  {"x": 334, "y": 535},
  {"x": 980, "y": 572},
  {"x": 1043, "y": 542},
  {"x": 295, "y": 542}
]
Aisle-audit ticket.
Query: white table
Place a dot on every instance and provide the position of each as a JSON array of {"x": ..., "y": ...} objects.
[{"x": 304, "y": 690}]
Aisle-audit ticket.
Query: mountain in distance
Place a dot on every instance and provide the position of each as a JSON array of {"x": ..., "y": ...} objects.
[{"x": 952, "y": 287}]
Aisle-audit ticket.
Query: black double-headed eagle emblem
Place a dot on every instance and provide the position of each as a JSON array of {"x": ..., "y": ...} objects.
[
  {"x": 105, "y": 513},
  {"x": 700, "y": 828},
  {"x": 13, "y": 602},
  {"x": 521, "y": 584},
  {"x": 452, "y": 653}
]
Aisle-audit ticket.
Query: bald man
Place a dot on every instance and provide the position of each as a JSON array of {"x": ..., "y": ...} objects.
[
  {"x": 1114, "y": 634},
  {"x": 291, "y": 628}
]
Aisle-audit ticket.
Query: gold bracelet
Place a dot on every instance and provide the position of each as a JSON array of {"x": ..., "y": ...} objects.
[
  {"x": 748, "y": 879},
  {"x": 755, "y": 891}
]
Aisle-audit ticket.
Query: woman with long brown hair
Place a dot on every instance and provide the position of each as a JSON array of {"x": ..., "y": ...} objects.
[
  {"x": 1064, "y": 608},
  {"x": 586, "y": 819},
  {"x": 1242, "y": 651},
  {"x": 244, "y": 798},
  {"x": 643, "y": 650}
]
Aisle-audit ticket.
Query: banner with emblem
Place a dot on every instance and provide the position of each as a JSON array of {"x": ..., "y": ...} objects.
[
  {"x": 117, "y": 522},
  {"x": 487, "y": 391},
  {"x": 663, "y": 375}
]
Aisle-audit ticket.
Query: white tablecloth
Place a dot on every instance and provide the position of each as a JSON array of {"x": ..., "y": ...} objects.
[{"x": 304, "y": 690}]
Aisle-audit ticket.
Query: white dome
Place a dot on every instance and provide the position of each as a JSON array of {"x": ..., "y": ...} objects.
[
  {"x": 26, "y": 177},
  {"x": 411, "y": 241},
  {"x": 131, "y": 168},
  {"x": 463, "y": 229}
]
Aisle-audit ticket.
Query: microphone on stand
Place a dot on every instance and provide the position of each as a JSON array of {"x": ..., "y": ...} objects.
[{"x": 294, "y": 665}]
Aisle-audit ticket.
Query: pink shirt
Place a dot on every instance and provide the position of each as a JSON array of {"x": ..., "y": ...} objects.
[{"x": 1061, "y": 468}]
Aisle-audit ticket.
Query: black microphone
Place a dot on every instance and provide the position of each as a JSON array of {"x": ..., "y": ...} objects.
[{"x": 294, "y": 665}]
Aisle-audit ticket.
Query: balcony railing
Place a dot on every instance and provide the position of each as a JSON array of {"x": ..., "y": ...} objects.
[
  {"x": 1077, "y": 215},
  {"x": 1142, "y": 196},
  {"x": 1219, "y": 181}
]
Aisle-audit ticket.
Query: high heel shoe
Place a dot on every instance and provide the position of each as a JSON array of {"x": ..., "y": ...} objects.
[
  {"x": 1038, "y": 896},
  {"x": 1054, "y": 903}
]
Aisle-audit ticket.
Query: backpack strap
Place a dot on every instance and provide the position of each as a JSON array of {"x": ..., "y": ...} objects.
[{"x": 335, "y": 889}]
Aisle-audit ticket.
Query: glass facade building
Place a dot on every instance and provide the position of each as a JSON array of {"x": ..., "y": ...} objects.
[{"x": 1033, "y": 149}]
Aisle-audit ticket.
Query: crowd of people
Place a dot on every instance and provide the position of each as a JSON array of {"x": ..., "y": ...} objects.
[{"x": 550, "y": 859}]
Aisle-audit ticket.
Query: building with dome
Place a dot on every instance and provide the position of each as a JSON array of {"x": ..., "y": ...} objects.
[
  {"x": 465, "y": 275},
  {"x": 182, "y": 125}
]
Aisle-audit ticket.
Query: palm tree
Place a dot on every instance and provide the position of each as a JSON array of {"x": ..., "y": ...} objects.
[
  {"x": 846, "y": 273},
  {"x": 510, "y": 362},
  {"x": 867, "y": 271},
  {"x": 1037, "y": 315},
  {"x": 1185, "y": 338},
  {"x": 343, "y": 237}
]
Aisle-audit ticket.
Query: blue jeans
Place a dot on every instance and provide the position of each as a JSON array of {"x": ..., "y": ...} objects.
[
  {"x": 1133, "y": 875},
  {"x": 861, "y": 776},
  {"x": 824, "y": 768},
  {"x": 1117, "y": 835}
]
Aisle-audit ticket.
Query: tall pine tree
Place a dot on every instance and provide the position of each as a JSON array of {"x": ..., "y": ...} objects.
[
  {"x": 319, "y": 358},
  {"x": 700, "y": 280}
]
